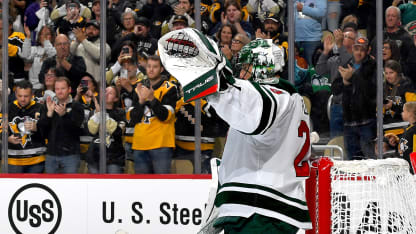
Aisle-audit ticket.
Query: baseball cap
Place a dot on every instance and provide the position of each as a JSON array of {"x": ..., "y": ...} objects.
[
  {"x": 95, "y": 1},
  {"x": 180, "y": 18},
  {"x": 93, "y": 23},
  {"x": 143, "y": 21},
  {"x": 273, "y": 16},
  {"x": 361, "y": 41}
]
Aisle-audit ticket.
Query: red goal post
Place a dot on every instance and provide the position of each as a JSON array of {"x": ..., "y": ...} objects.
[{"x": 368, "y": 196}]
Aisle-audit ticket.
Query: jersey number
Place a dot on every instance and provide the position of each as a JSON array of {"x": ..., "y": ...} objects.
[{"x": 302, "y": 167}]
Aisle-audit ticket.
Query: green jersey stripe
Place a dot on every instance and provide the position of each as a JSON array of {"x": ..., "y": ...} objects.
[
  {"x": 267, "y": 105},
  {"x": 263, "y": 202},
  {"x": 266, "y": 189},
  {"x": 274, "y": 110}
]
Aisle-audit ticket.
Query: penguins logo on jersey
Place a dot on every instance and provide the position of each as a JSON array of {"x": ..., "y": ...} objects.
[
  {"x": 148, "y": 114},
  {"x": 403, "y": 145},
  {"x": 17, "y": 126}
]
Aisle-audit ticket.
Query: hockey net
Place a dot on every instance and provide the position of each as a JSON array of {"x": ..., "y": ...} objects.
[{"x": 368, "y": 196}]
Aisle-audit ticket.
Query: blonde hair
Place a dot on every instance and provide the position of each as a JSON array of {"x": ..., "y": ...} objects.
[
  {"x": 411, "y": 107},
  {"x": 349, "y": 18}
]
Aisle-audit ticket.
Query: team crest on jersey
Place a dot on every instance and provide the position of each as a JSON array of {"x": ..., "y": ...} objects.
[
  {"x": 17, "y": 127},
  {"x": 403, "y": 145},
  {"x": 148, "y": 114}
]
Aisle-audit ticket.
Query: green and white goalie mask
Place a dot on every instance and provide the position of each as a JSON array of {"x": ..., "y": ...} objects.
[
  {"x": 195, "y": 61},
  {"x": 261, "y": 59}
]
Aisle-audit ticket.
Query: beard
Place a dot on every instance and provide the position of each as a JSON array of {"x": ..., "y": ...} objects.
[
  {"x": 93, "y": 38},
  {"x": 272, "y": 32}
]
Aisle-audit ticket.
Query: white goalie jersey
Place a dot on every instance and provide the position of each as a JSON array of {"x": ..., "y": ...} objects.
[{"x": 265, "y": 160}]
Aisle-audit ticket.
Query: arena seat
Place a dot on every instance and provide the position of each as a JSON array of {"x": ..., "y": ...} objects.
[
  {"x": 83, "y": 169},
  {"x": 339, "y": 141},
  {"x": 129, "y": 167}
]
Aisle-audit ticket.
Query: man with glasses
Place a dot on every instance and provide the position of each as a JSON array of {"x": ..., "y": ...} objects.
[
  {"x": 328, "y": 64},
  {"x": 71, "y": 65}
]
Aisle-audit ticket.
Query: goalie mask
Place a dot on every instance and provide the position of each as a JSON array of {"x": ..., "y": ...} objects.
[
  {"x": 260, "y": 60},
  {"x": 195, "y": 61}
]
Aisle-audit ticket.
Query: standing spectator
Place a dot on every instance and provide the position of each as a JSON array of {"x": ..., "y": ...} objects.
[
  {"x": 128, "y": 48},
  {"x": 60, "y": 10},
  {"x": 26, "y": 142},
  {"x": 62, "y": 124},
  {"x": 233, "y": 15},
  {"x": 86, "y": 92},
  {"x": 87, "y": 46},
  {"x": 398, "y": 90},
  {"x": 331, "y": 19},
  {"x": 37, "y": 16},
  {"x": 73, "y": 66},
  {"x": 145, "y": 43},
  {"x": 328, "y": 64},
  {"x": 15, "y": 43},
  {"x": 357, "y": 82},
  {"x": 72, "y": 20},
  {"x": 308, "y": 28},
  {"x": 154, "y": 116},
  {"x": 37, "y": 54},
  {"x": 126, "y": 83},
  {"x": 407, "y": 144},
  {"x": 115, "y": 123}
]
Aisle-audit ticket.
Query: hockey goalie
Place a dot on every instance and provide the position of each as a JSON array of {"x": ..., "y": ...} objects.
[{"x": 265, "y": 160}]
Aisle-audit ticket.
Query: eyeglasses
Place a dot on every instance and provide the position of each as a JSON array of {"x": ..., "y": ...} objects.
[{"x": 236, "y": 41}]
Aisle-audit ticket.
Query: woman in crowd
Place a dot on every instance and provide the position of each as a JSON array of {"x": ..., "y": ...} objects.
[
  {"x": 232, "y": 15},
  {"x": 115, "y": 124},
  {"x": 37, "y": 54},
  {"x": 86, "y": 92},
  {"x": 128, "y": 48},
  {"x": 225, "y": 35},
  {"x": 48, "y": 86},
  {"x": 390, "y": 51},
  {"x": 398, "y": 90}
]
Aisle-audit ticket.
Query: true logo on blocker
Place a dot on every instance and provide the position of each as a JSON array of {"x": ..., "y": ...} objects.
[{"x": 35, "y": 208}]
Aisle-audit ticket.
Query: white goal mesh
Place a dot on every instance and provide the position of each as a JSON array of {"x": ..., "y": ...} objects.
[{"x": 368, "y": 196}]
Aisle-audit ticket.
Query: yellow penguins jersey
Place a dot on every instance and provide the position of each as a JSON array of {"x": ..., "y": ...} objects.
[
  {"x": 16, "y": 40},
  {"x": 31, "y": 150},
  {"x": 155, "y": 120}
]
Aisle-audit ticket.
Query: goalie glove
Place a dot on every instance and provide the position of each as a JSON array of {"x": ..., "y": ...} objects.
[{"x": 196, "y": 62}]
